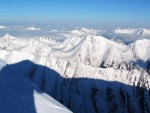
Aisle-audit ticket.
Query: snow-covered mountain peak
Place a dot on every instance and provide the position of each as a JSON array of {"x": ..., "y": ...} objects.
[
  {"x": 47, "y": 40},
  {"x": 142, "y": 31},
  {"x": 141, "y": 49},
  {"x": 96, "y": 50},
  {"x": 8, "y": 42},
  {"x": 135, "y": 31},
  {"x": 8, "y": 38},
  {"x": 37, "y": 47}
]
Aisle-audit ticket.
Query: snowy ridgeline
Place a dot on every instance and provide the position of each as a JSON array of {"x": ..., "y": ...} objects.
[{"x": 87, "y": 74}]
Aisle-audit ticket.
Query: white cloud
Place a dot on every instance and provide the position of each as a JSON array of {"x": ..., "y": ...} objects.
[
  {"x": 125, "y": 30},
  {"x": 54, "y": 30},
  {"x": 33, "y": 29},
  {"x": 84, "y": 31},
  {"x": 2, "y": 27}
]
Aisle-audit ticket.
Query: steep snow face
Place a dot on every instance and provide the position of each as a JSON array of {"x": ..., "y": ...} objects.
[
  {"x": 20, "y": 95},
  {"x": 88, "y": 73},
  {"x": 141, "y": 49},
  {"x": 142, "y": 31},
  {"x": 37, "y": 48},
  {"x": 7, "y": 42},
  {"x": 96, "y": 50}
]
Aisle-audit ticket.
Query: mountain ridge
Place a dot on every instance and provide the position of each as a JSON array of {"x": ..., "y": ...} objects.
[{"x": 90, "y": 58}]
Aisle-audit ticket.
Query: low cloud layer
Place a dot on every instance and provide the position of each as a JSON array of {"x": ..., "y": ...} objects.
[
  {"x": 2, "y": 27},
  {"x": 33, "y": 29}
]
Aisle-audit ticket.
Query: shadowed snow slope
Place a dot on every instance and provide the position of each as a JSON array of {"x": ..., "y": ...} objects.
[
  {"x": 19, "y": 95},
  {"x": 81, "y": 95}
]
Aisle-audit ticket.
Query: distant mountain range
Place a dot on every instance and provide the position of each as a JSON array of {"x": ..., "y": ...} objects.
[{"x": 141, "y": 31}]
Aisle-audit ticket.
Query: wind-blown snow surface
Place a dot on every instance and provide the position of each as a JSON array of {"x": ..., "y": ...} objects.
[
  {"x": 92, "y": 74},
  {"x": 20, "y": 95}
]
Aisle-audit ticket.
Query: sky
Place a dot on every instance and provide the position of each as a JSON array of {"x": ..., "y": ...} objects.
[{"x": 96, "y": 12}]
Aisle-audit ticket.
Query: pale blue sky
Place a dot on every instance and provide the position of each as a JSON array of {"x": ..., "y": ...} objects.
[{"x": 100, "y": 12}]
